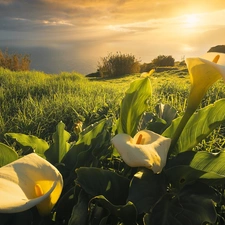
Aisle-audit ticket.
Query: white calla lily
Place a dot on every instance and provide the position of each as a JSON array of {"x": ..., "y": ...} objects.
[
  {"x": 27, "y": 182},
  {"x": 146, "y": 149}
]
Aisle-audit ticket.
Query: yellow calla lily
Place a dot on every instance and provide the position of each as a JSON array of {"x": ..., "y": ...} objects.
[
  {"x": 204, "y": 71},
  {"x": 146, "y": 149},
  {"x": 27, "y": 182}
]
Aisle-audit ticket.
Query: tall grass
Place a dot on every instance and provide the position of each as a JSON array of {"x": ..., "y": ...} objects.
[{"x": 34, "y": 102}]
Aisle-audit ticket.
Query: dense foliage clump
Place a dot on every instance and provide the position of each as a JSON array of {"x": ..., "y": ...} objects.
[
  {"x": 163, "y": 60},
  {"x": 14, "y": 62},
  {"x": 118, "y": 64}
]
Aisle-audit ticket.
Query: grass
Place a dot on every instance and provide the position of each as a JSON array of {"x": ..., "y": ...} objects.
[{"x": 34, "y": 102}]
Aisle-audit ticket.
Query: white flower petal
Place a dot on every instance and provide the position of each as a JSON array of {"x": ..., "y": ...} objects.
[
  {"x": 147, "y": 137},
  {"x": 18, "y": 180},
  {"x": 220, "y": 65},
  {"x": 152, "y": 154},
  {"x": 207, "y": 59},
  {"x": 211, "y": 55}
]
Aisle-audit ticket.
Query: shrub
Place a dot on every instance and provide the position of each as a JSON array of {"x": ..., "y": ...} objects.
[
  {"x": 14, "y": 62},
  {"x": 163, "y": 60},
  {"x": 145, "y": 67},
  {"x": 118, "y": 64}
]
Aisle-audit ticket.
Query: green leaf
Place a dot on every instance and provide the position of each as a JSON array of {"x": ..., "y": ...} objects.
[
  {"x": 7, "y": 155},
  {"x": 166, "y": 112},
  {"x": 96, "y": 181},
  {"x": 193, "y": 205},
  {"x": 163, "y": 119},
  {"x": 37, "y": 144},
  {"x": 65, "y": 205},
  {"x": 92, "y": 144},
  {"x": 134, "y": 104},
  {"x": 80, "y": 210},
  {"x": 200, "y": 125},
  {"x": 182, "y": 175},
  {"x": 157, "y": 125},
  {"x": 212, "y": 165},
  {"x": 125, "y": 213},
  {"x": 179, "y": 172},
  {"x": 146, "y": 189},
  {"x": 92, "y": 131},
  {"x": 60, "y": 145},
  {"x": 187, "y": 167}
]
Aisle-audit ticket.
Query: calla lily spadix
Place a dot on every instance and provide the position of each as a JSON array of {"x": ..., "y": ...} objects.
[
  {"x": 204, "y": 72},
  {"x": 27, "y": 182},
  {"x": 145, "y": 149}
]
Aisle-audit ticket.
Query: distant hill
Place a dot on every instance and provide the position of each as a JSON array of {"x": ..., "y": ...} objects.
[{"x": 218, "y": 48}]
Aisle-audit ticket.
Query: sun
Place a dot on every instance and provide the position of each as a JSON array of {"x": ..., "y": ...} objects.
[{"x": 191, "y": 20}]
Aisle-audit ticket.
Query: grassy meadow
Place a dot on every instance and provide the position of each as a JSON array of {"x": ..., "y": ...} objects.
[{"x": 34, "y": 102}]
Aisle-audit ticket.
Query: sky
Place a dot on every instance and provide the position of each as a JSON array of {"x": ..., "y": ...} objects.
[{"x": 73, "y": 35}]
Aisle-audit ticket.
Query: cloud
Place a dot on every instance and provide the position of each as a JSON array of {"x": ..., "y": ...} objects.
[
  {"x": 146, "y": 28},
  {"x": 102, "y": 12}
]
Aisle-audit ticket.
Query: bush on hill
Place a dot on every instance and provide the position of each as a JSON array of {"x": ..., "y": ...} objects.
[
  {"x": 145, "y": 67},
  {"x": 118, "y": 64},
  {"x": 163, "y": 60}
]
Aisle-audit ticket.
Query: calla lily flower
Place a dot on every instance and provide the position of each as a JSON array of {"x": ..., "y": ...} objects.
[
  {"x": 204, "y": 71},
  {"x": 148, "y": 74},
  {"x": 27, "y": 182},
  {"x": 146, "y": 149}
]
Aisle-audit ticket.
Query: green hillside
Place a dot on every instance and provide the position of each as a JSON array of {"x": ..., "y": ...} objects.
[{"x": 34, "y": 102}]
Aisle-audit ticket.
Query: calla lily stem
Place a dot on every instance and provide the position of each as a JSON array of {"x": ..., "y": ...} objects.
[{"x": 187, "y": 115}]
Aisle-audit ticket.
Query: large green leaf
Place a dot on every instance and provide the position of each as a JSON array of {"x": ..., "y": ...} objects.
[
  {"x": 80, "y": 210},
  {"x": 7, "y": 155},
  {"x": 60, "y": 145},
  {"x": 146, "y": 189},
  {"x": 179, "y": 172},
  {"x": 212, "y": 164},
  {"x": 124, "y": 213},
  {"x": 198, "y": 127},
  {"x": 92, "y": 131},
  {"x": 164, "y": 116},
  {"x": 182, "y": 175},
  {"x": 65, "y": 205},
  {"x": 96, "y": 181},
  {"x": 187, "y": 167},
  {"x": 90, "y": 145},
  {"x": 37, "y": 144},
  {"x": 193, "y": 205},
  {"x": 133, "y": 105}
]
